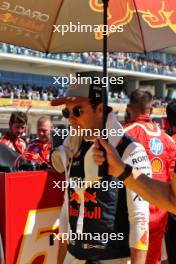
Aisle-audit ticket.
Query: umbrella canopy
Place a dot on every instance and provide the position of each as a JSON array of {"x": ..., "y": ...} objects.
[{"x": 76, "y": 25}]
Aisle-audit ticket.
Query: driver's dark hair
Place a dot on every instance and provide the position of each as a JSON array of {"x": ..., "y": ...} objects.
[
  {"x": 94, "y": 105},
  {"x": 18, "y": 117},
  {"x": 171, "y": 112}
]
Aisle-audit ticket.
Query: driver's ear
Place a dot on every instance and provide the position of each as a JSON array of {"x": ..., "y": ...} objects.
[{"x": 99, "y": 110}]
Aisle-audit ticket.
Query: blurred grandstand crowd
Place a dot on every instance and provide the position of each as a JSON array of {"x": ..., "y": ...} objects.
[
  {"x": 152, "y": 62},
  {"x": 27, "y": 92}
]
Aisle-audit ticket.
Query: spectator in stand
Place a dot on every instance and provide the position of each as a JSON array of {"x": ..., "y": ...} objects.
[
  {"x": 42, "y": 145},
  {"x": 1, "y": 91},
  {"x": 50, "y": 96},
  {"x": 34, "y": 95},
  {"x": 29, "y": 94},
  {"x": 38, "y": 95},
  {"x": 17, "y": 127},
  {"x": 44, "y": 96},
  {"x": 11, "y": 94}
]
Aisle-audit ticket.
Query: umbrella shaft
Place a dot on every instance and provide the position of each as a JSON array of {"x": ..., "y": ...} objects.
[{"x": 104, "y": 89}]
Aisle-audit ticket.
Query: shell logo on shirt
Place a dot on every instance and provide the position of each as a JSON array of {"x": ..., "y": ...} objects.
[{"x": 157, "y": 165}]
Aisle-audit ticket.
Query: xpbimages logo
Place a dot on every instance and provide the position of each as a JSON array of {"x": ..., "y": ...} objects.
[
  {"x": 105, "y": 237},
  {"x": 80, "y": 28},
  {"x": 84, "y": 80},
  {"x": 87, "y": 132},
  {"x": 76, "y": 182}
]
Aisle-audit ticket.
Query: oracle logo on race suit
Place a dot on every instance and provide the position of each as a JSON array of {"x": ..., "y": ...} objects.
[{"x": 157, "y": 13}]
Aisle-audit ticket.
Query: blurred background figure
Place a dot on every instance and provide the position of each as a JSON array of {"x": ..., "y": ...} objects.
[
  {"x": 42, "y": 145},
  {"x": 17, "y": 128}
]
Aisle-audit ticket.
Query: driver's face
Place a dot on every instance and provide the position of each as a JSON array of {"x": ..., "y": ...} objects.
[{"x": 88, "y": 119}]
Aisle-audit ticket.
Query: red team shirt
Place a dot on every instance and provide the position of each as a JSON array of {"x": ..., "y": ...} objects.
[
  {"x": 42, "y": 149},
  {"x": 16, "y": 144}
]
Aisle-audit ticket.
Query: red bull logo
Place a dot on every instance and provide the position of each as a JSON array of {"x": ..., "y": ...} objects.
[
  {"x": 157, "y": 13},
  {"x": 88, "y": 197},
  {"x": 75, "y": 197},
  {"x": 90, "y": 214},
  {"x": 95, "y": 214}
]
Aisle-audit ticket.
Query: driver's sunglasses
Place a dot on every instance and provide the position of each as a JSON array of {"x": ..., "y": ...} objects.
[{"x": 76, "y": 112}]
